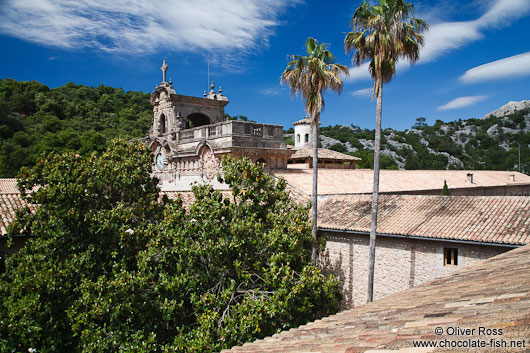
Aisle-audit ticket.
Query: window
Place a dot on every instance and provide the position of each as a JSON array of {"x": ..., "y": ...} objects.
[
  {"x": 298, "y": 138},
  {"x": 262, "y": 161},
  {"x": 450, "y": 257},
  {"x": 306, "y": 137}
]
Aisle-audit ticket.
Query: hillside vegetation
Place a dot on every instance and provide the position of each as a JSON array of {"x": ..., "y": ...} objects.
[
  {"x": 35, "y": 119},
  {"x": 491, "y": 143}
]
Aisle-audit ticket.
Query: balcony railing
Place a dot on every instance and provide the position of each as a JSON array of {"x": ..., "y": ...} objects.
[{"x": 231, "y": 128}]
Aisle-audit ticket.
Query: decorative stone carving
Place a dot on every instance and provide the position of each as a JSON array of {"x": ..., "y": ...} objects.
[{"x": 209, "y": 163}]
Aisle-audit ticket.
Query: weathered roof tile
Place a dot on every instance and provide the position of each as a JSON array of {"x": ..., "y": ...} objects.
[
  {"x": 491, "y": 294},
  {"x": 360, "y": 181},
  {"x": 489, "y": 219}
]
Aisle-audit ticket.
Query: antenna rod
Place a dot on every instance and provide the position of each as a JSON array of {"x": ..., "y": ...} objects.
[{"x": 519, "y": 157}]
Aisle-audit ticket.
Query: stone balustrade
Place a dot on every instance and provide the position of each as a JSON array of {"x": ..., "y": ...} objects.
[{"x": 231, "y": 128}]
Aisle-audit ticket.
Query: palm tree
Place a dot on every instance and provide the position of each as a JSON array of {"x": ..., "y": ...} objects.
[
  {"x": 383, "y": 33},
  {"x": 311, "y": 75}
]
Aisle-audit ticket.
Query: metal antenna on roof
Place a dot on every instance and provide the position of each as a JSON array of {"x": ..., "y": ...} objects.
[{"x": 519, "y": 157}]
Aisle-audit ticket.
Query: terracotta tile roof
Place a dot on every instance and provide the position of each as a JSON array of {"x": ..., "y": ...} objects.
[
  {"x": 493, "y": 294},
  {"x": 356, "y": 181},
  {"x": 323, "y": 153},
  {"x": 8, "y": 185},
  {"x": 490, "y": 219},
  {"x": 304, "y": 120},
  {"x": 9, "y": 204}
]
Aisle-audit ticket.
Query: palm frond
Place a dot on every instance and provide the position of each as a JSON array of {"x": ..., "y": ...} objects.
[
  {"x": 313, "y": 74},
  {"x": 384, "y": 33}
]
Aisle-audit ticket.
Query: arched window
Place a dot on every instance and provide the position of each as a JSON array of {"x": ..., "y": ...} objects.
[
  {"x": 298, "y": 138},
  {"x": 162, "y": 126},
  {"x": 196, "y": 119},
  {"x": 306, "y": 137}
]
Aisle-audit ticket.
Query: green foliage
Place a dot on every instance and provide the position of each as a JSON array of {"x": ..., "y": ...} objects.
[
  {"x": 445, "y": 189},
  {"x": 110, "y": 268},
  {"x": 478, "y": 149},
  {"x": 64, "y": 119},
  {"x": 238, "y": 117},
  {"x": 420, "y": 123},
  {"x": 339, "y": 147},
  {"x": 367, "y": 160}
]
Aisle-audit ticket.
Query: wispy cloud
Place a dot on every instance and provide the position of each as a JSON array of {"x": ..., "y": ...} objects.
[
  {"x": 272, "y": 91},
  {"x": 358, "y": 73},
  {"x": 363, "y": 93},
  {"x": 143, "y": 25},
  {"x": 51, "y": 58},
  {"x": 461, "y": 102},
  {"x": 511, "y": 67},
  {"x": 445, "y": 37}
]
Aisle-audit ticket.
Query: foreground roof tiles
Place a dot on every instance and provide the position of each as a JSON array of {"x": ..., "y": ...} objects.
[
  {"x": 8, "y": 185},
  {"x": 9, "y": 204},
  {"x": 359, "y": 181},
  {"x": 493, "y": 294},
  {"x": 489, "y": 219}
]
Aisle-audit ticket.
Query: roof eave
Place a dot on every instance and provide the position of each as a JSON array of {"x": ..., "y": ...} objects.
[{"x": 513, "y": 246}]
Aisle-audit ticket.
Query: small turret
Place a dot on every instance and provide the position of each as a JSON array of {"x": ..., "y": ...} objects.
[{"x": 302, "y": 132}]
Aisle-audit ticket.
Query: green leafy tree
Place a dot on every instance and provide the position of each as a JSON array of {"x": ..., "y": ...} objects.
[
  {"x": 445, "y": 189},
  {"x": 111, "y": 268},
  {"x": 383, "y": 34},
  {"x": 57, "y": 120},
  {"x": 311, "y": 75}
]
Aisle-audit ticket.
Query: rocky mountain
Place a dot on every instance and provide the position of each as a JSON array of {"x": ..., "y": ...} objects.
[
  {"x": 493, "y": 142},
  {"x": 509, "y": 108}
]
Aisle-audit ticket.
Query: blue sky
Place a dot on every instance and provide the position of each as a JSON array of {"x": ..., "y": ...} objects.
[{"x": 476, "y": 57}]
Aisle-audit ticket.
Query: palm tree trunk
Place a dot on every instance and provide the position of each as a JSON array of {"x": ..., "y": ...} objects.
[
  {"x": 314, "y": 195},
  {"x": 375, "y": 196}
]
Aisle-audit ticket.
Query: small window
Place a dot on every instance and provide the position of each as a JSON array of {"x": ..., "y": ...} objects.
[
  {"x": 306, "y": 137},
  {"x": 262, "y": 162},
  {"x": 450, "y": 257},
  {"x": 298, "y": 138}
]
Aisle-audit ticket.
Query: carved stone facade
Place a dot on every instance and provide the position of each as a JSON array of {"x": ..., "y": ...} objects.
[{"x": 189, "y": 136}]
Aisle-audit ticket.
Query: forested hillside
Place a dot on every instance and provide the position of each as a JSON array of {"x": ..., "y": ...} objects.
[
  {"x": 35, "y": 119},
  {"x": 491, "y": 143}
]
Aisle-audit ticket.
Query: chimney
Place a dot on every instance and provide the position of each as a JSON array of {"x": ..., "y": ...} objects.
[
  {"x": 470, "y": 178},
  {"x": 511, "y": 177}
]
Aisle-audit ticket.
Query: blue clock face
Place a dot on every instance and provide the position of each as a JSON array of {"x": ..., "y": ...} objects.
[{"x": 160, "y": 161}]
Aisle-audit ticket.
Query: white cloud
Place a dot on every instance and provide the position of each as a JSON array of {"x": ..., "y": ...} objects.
[
  {"x": 447, "y": 36},
  {"x": 358, "y": 73},
  {"x": 461, "y": 102},
  {"x": 363, "y": 93},
  {"x": 513, "y": 66},
  {"x": 271, "y": 91},
  {"x": 143, "y": 25},
  {"x": 503, "y": 11},
  {"x": 444, "y": 37}
]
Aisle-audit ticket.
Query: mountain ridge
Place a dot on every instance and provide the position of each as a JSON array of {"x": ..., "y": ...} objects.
[{"x": 491, "y": 142}]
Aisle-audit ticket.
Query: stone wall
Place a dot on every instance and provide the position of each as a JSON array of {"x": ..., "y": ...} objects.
[{"x": 400, "y": 263}]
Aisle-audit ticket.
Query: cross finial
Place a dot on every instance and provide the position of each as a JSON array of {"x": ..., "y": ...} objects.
[{"x": 164, "y": 69}]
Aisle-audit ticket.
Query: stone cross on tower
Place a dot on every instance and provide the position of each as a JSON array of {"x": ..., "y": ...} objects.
[{"x": 164, "y": 69}]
